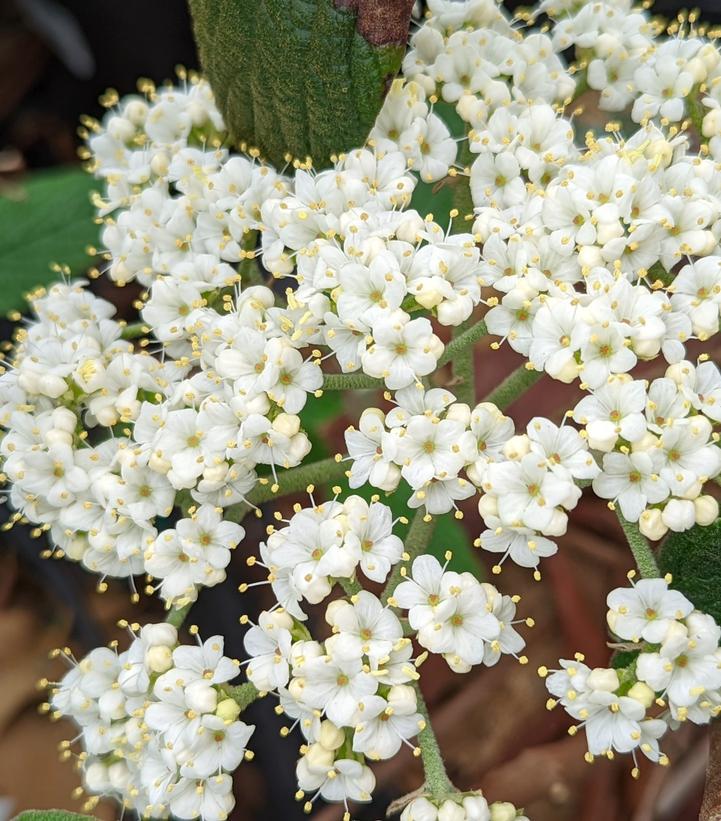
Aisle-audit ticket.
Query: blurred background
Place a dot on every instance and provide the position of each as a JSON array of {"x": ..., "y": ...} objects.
[{"x": 56, "y": 58}]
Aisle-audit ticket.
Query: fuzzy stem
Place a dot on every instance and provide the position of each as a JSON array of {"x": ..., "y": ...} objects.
[
  {"x": 243, "y": 694},
  {"x": 297, "y": 479},
  {"x": 641, "y": 549},
  {"x": 513, "y": 386},
  {"x": 134, "y": 330},
  {"x": 462, "y": 341},
  {"x": 438, "y": 784},
  {"x": 177, "y": 617},
  {"x": 464, "y": 370},
  {"x": 350, "y": 382},
  {"x": 417, "y": 540}
]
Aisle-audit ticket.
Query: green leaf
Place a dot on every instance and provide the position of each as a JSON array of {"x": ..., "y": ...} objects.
[
  {"x": 694, "y": 560},
  {"x": 52, "y": 815},
  {"x": 50, "y": 221},
  {"x": 300, "y": 77}
]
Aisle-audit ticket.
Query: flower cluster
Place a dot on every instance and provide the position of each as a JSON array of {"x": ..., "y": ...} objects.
[
  {"x": 159, "y": 726},
  {"x": 668, "y": 671},
  {"x": 659, "y": 446},
  {"x": 528, "y": 482},
  {"x": 263, "y": 287}
]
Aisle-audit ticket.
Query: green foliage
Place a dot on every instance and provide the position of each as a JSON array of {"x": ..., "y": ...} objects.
[
  {"x": 292, "y": 76},
  {"x": 51, "y": 221},
  {"x": 694, "y": 560},
  {"x": 52, "y": 815}
]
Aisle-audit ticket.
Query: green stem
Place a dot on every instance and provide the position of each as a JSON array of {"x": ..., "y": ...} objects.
[
  {"x": 177, "y": 617},
  {"x": 250, "y": 273},
  {"x": 357, "y": 381},
  {"x": 134, "y": 330},
  {"x": 350, "y": 586},
  {"x": 464, "y": 370},
  {"x": 438, "y": 783},
  {"x": 417, "y": 540},
  {"x": 462, "y": 341},
  {"x": 296, "y": 479},
  {"x": 641, "y": 549},
  {"x": 513, "y": 386},
  {"x": 243, "y": 694}
]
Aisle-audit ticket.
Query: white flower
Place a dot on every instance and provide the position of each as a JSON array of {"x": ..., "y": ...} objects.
[
  {"x": 362, "y": 627},
  {"x": 370, "y": 537},
  {"x": 269, "y": 643},
  {"x": 615, "y": 409},
  {"x": 386, "y": 724},
  {"x": 220, "y": 745},
  {"x": 337, "y": 685},
  {"x": 646, "y": 610},
  {"x": 631, "y": 481},
  {"x": 403, "y": 350}
]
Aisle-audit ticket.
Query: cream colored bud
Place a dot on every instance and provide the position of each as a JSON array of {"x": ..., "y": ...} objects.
[
  {"x": 517, "y": 447},
  {"x": 64, "y": 419},
  {"x": 502, "y": 811},
  {"x": 58, "y": 437},
  {"x": 136, "y": 111},
  {"x": 646, "y": 442},
  {"x": 603, "y": 678},
  {"x": 330, "y": 736},
  {"x": 706, "y": 509},
  {"x": 642, "y": 693},
  {"x": 589, "y": 256},
  {"x": 287, "y": 423},
  {"x": 679, "y": 515},
  {"x": 228, "y": 709},
  {"x": 488, "y": 505},
  {"x": 451, "y": 811},
  {"x": 159, "y": 659},
  {"x": 566, "y": 372},
  {"x": 402, "y": 698},
  {"x": 459, "y": 412},
  {"x": 651, "y": 524},
  {"x": 159, "y": 164},
  {"x": 319, "y": 759}
]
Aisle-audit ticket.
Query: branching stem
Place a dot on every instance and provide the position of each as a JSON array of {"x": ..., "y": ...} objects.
[{"x": 641, "y": 549}]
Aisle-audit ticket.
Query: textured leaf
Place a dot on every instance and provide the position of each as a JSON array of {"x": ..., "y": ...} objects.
[
  {"x": 52, "y": 221},
  {"x": 694, "y": 560},
  {"x": 300, "y": 77},
  {"x": 52, "y": 815}
]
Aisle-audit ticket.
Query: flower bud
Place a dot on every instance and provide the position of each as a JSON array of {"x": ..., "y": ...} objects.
[
  {"x": 330, "y": 736},
  {"x": 642, "y": 693},
  {"x": 296, "y": 688},
  {"x": 410, "y": 227},
  {"x": 706, "y": 510},
  {"x": 287, "y": 423},
  {"x": 420, "y": 809},
  {"x": 451, "y": 811},
  {"x": 136, "y": 111},
  {"x": 589, "y": 256},
  {"x": 646, "y": 348},
  {"x": 698, "y": 70},
  {"x": 476, "y": 808},
  {"x": 435, "y": 347},
  {"x": 201, "y": 696},
  {"x": 159, "y": 164},
  {"x": 459, "y": 412},
  {"x": 488, "y": 505},
  {"x": 679, "y": 515},
  {"x": 335, "y": 607},
  {"x": 319, "y": 759},
  {"x": 402, "y": 698},
  {"x": 159, "y": 634},
  {"x": 651, "y": 524},
  {"x": 601, "y": 435},
  {"x": 159, "y": 659},
  {"x": 75, "y": 547},
  {"x": 681, "y": 372},
  {"x": 646, "y": 442},
  {"x": 96, "y": 777},
  {"x": 502, "y": 811},
  {"x": 119, "y": 776},
  {"x": 58, "y": 437},
  {"x": 517, "y": 447},
  {"x": 276, "y": 620},
  {"x": 299, "y": 447},
  {"x": 121, "y": 129},
  {"x": 64, "y": 419},
  {"x": 454, "y": 311},
  {"x": 228, "y": 709},
  {"x": 559, "y": 520},
  {"x": 566, "y": 372},
  {"x": 603, "y": 678}
]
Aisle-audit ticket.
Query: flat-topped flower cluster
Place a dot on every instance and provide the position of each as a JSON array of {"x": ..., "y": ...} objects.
[
  {"x": 590, "y": 255},
  {"x": 669, "y": 673}
]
